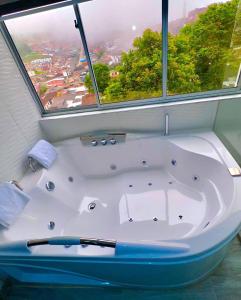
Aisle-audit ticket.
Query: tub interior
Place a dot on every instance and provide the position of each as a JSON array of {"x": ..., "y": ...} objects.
[{"x": 146, "y": 189}]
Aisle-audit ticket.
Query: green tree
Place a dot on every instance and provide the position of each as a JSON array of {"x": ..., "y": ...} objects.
[
  {"x": 182, "y": 77},
  {"x": 102, "y": 74},
  {"x": 140, "y": 71},
  {"x": 198, "y": 57},
  {"x": 114, "y": 91},
  {"x": 141, "y": 68},
  {"x": 210, "y": 39}
]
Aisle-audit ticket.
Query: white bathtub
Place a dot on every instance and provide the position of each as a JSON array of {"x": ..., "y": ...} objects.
[{"x": 168, "y": 205}]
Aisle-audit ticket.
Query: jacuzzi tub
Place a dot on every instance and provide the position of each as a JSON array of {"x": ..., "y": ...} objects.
[{"x": 165, "y": 209}]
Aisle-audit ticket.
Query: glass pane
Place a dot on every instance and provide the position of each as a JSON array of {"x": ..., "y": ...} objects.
[
  {"x": 204, "y": 45},
  {"x": 228, "y": 124},
  {"x": 125, "y": 43},
  {"x": 52, "y": 52}
]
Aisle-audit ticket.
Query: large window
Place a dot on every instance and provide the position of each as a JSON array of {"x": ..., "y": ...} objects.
[
  {"x": 53, "y": 55},
  {"x": 126, "y": 47},
  {"x": 204, "y": 45},
  {"x": 123, "y": 51}
]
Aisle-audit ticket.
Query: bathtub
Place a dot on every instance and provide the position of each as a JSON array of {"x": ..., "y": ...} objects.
[{"x": 147, "y": 211}]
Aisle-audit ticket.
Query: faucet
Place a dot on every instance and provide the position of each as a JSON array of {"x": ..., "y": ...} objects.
[
  {"x": 166, "y": 131},
  {"x": 103, "y": 139}
]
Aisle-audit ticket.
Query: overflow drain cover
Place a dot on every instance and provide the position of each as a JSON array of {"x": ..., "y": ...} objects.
[
  {"x": 92, "y": 206},
  {"x": 51, "y": 225}
]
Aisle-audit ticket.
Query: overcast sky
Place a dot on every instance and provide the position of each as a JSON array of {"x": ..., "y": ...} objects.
[{"x": 103, "y": 17}]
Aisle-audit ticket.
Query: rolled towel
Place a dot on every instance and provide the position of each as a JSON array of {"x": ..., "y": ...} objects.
[
  {"x": 44, "y": 153},
  {"x": 12, "y": 203}
]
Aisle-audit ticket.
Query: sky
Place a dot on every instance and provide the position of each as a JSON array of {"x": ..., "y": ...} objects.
[
  {"x": 102, "y": 18},
  {"x": 176, "y": 7}
]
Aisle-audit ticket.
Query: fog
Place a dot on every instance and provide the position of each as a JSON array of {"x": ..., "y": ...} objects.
[{"x": 103, "y": 19}]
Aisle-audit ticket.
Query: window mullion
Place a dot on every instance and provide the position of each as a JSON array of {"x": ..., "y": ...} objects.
[
  {"x": 79, "y": 25},
  {"x": 164, "y": 46}
]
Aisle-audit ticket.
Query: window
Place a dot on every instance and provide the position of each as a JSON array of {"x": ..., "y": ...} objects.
[
  {"x": 204, "y": 45},
  {"x": 122, "y": 51},
  {"x": 125, "y": 44},
  {"x": 53, "y": 55}
]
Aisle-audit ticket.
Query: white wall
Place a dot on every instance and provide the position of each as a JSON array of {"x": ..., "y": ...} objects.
[
  {"x": 182, "y": 117},
  {"x": 19, "y": 127}
]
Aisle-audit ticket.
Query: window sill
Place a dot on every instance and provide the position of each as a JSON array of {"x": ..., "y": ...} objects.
[{"x": 136, "y": 106}]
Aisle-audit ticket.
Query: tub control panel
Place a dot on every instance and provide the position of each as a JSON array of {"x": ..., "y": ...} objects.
[{"x": 103, "y": 139}]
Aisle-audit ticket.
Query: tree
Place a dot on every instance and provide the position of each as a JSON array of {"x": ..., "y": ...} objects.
[
  {"x": 102, "y": 75},
  {"x": 198, "y": 58},
  {"x": 210, "y": 39},
  {"x": 182, "y": 77},
  {"x": 114, "y": 91},
  {"x": 141, "y": 68}
]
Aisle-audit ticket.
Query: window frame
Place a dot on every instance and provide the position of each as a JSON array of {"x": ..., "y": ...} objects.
[{"x": 165, "y": 98}]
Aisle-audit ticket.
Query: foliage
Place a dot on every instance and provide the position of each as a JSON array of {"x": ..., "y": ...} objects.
[
  {"x": 182, "y": 77},
  {"x": 210, "y": 38},
  {"x": 205, "y": 55},
  {"x": 140, "y": 71},
  {"x": 102, "y": 75},
  {"x": 114, "y": 91},
  {"x": 200, "y": 57},
  {"x": 129, "y": 96},
  {"x": 141, "y": 68}
]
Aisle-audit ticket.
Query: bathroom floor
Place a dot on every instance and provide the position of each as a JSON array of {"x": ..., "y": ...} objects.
[{"x": 224, "y": 283}]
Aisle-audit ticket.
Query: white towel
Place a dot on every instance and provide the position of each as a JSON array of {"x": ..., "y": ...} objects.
[
  {"x": 44, "y": 153},
  {"x": 12, "y": 203}
]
